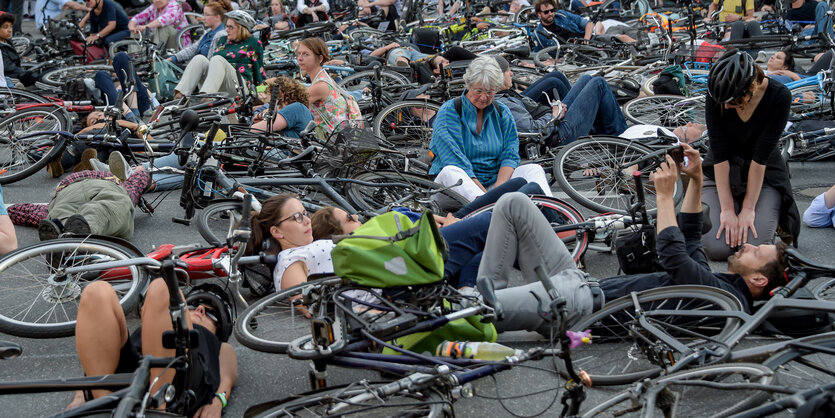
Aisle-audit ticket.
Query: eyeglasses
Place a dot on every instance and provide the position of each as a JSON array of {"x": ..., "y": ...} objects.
[
  {"x": 298, "y": 217},
  {"x": 483, "y": 92},
  {"x": 349, "y": 217},
  {"x": 547, "y": 12},
  {"x": 207, "y": 311}
]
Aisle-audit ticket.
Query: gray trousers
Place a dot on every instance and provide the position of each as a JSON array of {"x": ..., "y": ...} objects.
[
  {"x": 215, "y": 75},
  {"x": 166, "y": 35},
  {"x": 767, "y": 214},
  {"x": 519, "y": 231}
]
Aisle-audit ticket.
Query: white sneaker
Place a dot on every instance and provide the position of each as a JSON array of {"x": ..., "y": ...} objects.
[
  {"x": 761, "y": 57},
  {"x": 98, "y": 165},
  {"x": 119, "y": 165}
]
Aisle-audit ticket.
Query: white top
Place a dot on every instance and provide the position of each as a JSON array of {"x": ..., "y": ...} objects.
[
  {"x": 644, "y": 131},
  {"x": 301, "y": 5},
  {"x": 316, "y": 255}
]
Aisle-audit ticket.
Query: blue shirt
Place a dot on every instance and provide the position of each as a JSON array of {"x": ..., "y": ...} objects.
[
  {"x": 206, "y": 40},
  {"x": 455, "y": 141},
  {"x": 564, "y": 20},
  {"x": 110, "y": 12},
  {"x": 297, "y": 116},
  {"x": 2, "y": 205},
  {"x": 53, "y": 9}
]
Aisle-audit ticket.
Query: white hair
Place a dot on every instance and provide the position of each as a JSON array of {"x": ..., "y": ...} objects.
[{"x": 484, "y": 72}]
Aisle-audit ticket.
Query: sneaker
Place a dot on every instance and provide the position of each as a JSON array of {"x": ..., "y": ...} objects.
[
  {"x": 86, "y": 156},
  {"x": 48, "y": 229},
  {"x": 55, "y": 168},
  {"x": 76, "y": 224},
  {"x": 761, "y": 57},
  {"x": 98, "y": 165},
  {"x": 119, "y": 165}
]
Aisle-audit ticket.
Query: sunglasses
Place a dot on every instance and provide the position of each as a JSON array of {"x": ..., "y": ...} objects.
[
  {"x": 298, "y": 217},
  {"x": 210, "y": 312},
  {"x": 547, "y": 12}
]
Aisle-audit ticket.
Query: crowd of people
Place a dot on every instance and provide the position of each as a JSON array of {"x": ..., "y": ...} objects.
[{"x": 475, "y": 145}]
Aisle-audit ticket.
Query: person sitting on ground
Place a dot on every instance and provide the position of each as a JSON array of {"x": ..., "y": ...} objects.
[
  {"x": 478, "y": 145},
  {"x": 276, "y": 19},
  {"x": 8, "y": 239},
  {"x": 214, "y": 14},
  {"x": 106, "y": 346},
  {"x": 812, "y": 15},
  {"x": 588, "y": 108},
  {"x": 108, "y": 22},
  {"x": 237, "y": 53},
  {"x": 139, "y": 100},
  {"x": 99, "y": 202},
  {"x": 166, "y": 19},
  {"x": 742, "y": 23},
  {"x": 51, "y": 9},
  {"x": 312, "y": 11},
  {"x": 330, "y": 104},
  {"x": 821, "y": 213},
  {"x": 11, "y": 59},
  {"x": 390, "y": 8}
]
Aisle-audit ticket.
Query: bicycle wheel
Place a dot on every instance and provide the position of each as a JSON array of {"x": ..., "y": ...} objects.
[
  {"x": 129, "y": 46},
  {"x": 712, "y": 391},
  {"x": 407, "y": 125},
  {"x": 360, "y": 80},
  {"x": 192, "y": 32},
  {"x": 526, "y": 15},
  {"x": 825, "y": 291},
  {"x": 597, "y": 173},
  {"x": 808, "y": 99},
  {"x": 545, "y": 54},
  {"x": 425, "y": 403},
  {"x": 418, "y": 192},
  {"x": 618, "y": 356},
  {"x": 10, "y": 97},
  {"x": 665, "y": 110},
  {"x": 217, "y": 219},
  {"x": 22, "y": 45},
  {"x": 272, "y": 323},
  {"x": 59, "y": 77},
  {"x": 23, "y": 153},
  {"x": 808, "y": 363},
  {"x": 39, "y": 300},
  {"x": 558, "y": 213},
  {"x": 582, "y": 55}
]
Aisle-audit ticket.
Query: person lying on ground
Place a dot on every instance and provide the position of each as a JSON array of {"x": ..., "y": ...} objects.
[{"x": 8, "y": 239}]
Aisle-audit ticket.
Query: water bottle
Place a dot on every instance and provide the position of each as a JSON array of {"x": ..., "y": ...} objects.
[{"x": 475, "y": 350}]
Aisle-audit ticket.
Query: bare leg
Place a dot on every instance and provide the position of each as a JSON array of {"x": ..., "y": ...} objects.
[
  {"x": 100, "y": 331},
  {"x": 156, "y": 319}
]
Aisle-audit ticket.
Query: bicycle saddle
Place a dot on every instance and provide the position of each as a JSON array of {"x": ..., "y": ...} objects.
[
  {"x": 520, "y": 52},
  {"x": 302, "y": 156}
]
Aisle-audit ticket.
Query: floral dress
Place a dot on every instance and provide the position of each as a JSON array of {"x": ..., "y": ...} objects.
[
  {"x": 246, "y": 57},
  {"x": 336, "y": 108},
  {"x": 171, "y": 15}
]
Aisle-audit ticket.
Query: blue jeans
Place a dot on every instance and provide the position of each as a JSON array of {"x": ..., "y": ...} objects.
[
  {"x": 547, "y": 83},
  {"x": 592, "y": 108},
  {"x": 465, "y": 240},
  {"x": 513, "y": 185},
  {"x": 121, "y": 64},
  {"x": 822, "y": 21},
  {"x": 116, "y": 36},
  {"x": 167, "y": 181}
]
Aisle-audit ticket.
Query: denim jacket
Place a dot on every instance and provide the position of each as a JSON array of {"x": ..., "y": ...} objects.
[{"x": 564, "y": 19}]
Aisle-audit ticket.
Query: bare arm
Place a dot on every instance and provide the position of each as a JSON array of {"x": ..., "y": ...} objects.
[
  {"x": 228, "y": 378},
  {"x": 317, "y": 91},
  {"x": 294, "y": 275},
  {"x": 504, "y": 175},
  {"x": 8, "y": 239},
  {"x": 727, "y": 216},
  {"x": 756, "y": 174},
  {"x": 589, "y": 30},
  {"x": 829, "y": 198}
]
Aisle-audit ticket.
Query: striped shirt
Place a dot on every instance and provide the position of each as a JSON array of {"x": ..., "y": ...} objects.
[{"x": 455, "y": 141}]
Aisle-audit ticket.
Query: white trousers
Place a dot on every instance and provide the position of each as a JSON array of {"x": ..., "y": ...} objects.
[{"x": 449, "y": 175}]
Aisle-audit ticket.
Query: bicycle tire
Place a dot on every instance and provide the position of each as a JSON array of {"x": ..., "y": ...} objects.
[
  {"x": 825, "y": 290},
  {"x": 665, "y": 110},
  {"x": 428, "y": 403},
  {"x": 594, "y": 173},
  {"x": 22, "y": 44},
  {"x": 11, "y": 97},
  {"x": 216, "y": 220},
  {"x": 407, "y": 125},
  {"x": 22, "y": 155},
  {"x": 38, "y": 304},
  {"x": 59, "y": 77},
  {"x": 544, "y": 55},
  {"x": 719, "y": 374},
  {"x": 193, "y": 31},
  {"x": 800, "y": 104},
  {"x": 609, "y": 365},
  {"x": 691, "y": 86},
  {"x": 420, "y": 192},
  {"x": 526, "y": 15},
  {"x": 129, "y": 46},
  {"x": 801, "y": 367},
  {"x": 558, "y": 212},
  {"x": 359, "y": 80},
  {"x": 270, "y": 324}
]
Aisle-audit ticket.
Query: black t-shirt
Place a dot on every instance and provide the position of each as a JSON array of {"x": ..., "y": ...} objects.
[
  {"x": 805, "y": 13},
  {"x": 110, "y": 11},
  {"x": 755, "y": 140},
  {"x": 562, "y": 32}
]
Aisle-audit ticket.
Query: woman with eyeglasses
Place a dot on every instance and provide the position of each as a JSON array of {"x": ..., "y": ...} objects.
[
  {"x": 474, "y": 139},
  {"x": 747, "y": 184},
  {"x": 214, "y": 14}
]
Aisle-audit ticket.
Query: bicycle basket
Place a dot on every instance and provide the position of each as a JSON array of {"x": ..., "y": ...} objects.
[
  {"x": 352, "y": 144},
  {"x": 391, "y": 251}
]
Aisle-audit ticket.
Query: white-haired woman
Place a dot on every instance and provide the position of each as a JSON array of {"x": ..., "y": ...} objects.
[{"x": 474, "y": 139}]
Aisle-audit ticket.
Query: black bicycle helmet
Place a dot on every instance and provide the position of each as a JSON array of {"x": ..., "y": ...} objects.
[
  {"x": 219, "y": 306},
  {"x": 731, "y": 76}
]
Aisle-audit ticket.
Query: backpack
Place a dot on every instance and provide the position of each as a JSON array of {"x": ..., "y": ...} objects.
[
  {"x": 636, "y": 251},
  {"x": 168, "y": 75},
  {"x": 797, "y": 322},
  {"x": 670, "y": 81},
  {"x": 391, "y": 251}
]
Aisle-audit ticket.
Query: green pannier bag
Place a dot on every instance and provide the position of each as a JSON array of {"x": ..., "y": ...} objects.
[{"x": 391, "y": 251}]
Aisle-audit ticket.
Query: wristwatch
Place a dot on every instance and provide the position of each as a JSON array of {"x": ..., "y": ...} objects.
[{"x": 222, "y": 397}]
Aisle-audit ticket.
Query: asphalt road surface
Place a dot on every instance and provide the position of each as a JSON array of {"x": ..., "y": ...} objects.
[{"x": 266, "y": 377}]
